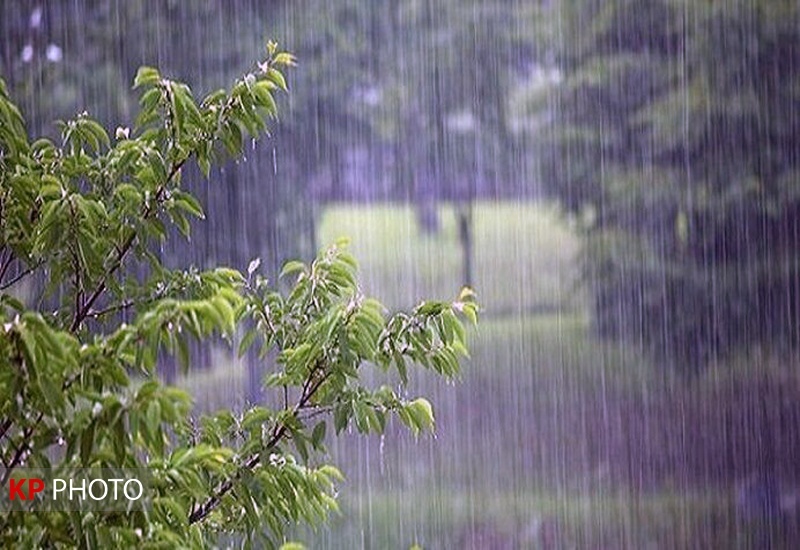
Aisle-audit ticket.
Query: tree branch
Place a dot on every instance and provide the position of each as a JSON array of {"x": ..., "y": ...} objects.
[
  {"x": 21, "y": 275},
  {"x": 200, "y": 512},
  {"x": 19, "y": 452},
  {"x": 82, "y": 312},
  {"x": 122, "y": 252},
  {"x": 316, "y": 411},
  {"x": 6, "y": 260},
  {"x": 122, "y": 306},
  {"x": 5, "y": 427}
]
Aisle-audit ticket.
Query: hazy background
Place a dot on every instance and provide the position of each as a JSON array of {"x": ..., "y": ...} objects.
[{"x": 618, "y": 180}]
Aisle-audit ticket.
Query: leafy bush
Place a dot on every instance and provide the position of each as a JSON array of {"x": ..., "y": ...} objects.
[{"x": 81, "y": 223}]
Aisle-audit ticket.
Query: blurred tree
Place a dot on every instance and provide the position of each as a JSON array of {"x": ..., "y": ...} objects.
[
  {"x": 407, "y": 100},
  {"x": 455, "y": 144},
  {"x": 675, "y": 140}
]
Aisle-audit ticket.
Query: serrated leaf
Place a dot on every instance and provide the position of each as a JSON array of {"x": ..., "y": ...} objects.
[
  {"x": 421, "y": 413},
  {"x": 284, "y": 58}
]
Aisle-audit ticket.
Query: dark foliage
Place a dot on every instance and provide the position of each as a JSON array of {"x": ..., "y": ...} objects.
[{"x": 676, "y": 139}]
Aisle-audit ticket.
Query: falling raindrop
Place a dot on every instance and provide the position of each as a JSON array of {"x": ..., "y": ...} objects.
[{"x": 382, "y": 454}]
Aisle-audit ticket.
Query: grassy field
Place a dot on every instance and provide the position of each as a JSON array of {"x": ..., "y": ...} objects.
[
  {"x": 524, "y": 255},
  {"x": 540, "y": 443}
]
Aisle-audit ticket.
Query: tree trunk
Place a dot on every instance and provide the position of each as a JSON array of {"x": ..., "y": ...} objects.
[{"x": 465, "y": 237}]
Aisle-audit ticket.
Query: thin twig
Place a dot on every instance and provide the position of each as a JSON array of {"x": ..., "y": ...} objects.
[
  {"x": 6, "y": 260},
  {"x": 122, "y": 306},
  {"x": 317, "y": 411},
  {"x": 5, "y": 427},
  {"x": 20, "y": 451},
  {"x": 21, "y": 275}
]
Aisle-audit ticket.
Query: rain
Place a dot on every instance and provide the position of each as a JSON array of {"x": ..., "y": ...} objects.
[{"x": 618, "y": 181}]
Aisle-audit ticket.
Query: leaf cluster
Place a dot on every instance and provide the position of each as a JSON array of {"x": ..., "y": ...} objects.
[{"x": 87, "y": 308}]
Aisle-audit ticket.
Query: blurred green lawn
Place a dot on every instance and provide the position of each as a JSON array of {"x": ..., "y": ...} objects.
[{"x": 524, "y": 254}]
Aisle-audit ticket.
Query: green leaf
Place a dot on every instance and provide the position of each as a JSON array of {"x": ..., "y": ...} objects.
[
  {"x": 52, "y": 393},
  {"x": 275, "y": 76},
  {"x": 284, "y": 58},
  {"x": 146, "y": 391},
  {"x": 420, "y": 415},
  {"x": 264, "y": 95},
  {"x": 188, "y": 203},
  {"x": 292, "y": 267},
  {"x": 87, "y": 444},
  {"x": 204, "y": 163},
  {"x": 300, "y": 445},
  {"x": 341, "y": 416},
  {"x": 183, "y": 353},
  {"x": 98, "y": 132},
  {"x": 470, "y": 311},
  {"x": 10, "y": 301},
  {"x": 256, "y": 417},
  {"x": 318, "y": 434},
  {"x": 247, "y": 341},
  {"x": 146, "y": 76},
  {"x": 402, "y": 369}
]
